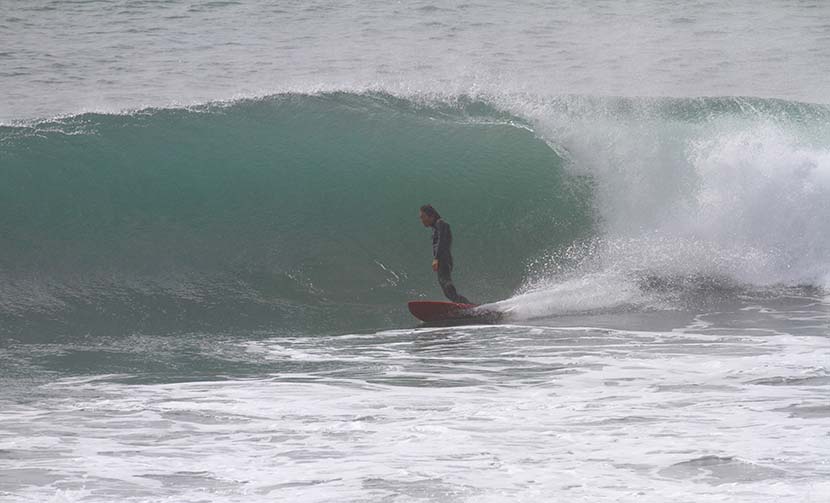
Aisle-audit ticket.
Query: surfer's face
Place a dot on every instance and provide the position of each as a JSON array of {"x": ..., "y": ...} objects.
[{"x": 426, "y": 219}]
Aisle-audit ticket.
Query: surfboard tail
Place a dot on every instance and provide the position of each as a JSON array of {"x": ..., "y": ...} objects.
[{"x": 437, "y": 311}]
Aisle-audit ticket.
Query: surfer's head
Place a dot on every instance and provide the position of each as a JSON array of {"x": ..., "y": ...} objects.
[{"x": 428, "y": 215}]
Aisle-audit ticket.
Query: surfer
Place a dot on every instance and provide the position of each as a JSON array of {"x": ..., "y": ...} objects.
[{"x": 441, "y": 256}]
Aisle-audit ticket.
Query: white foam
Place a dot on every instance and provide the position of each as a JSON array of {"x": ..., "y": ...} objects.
[
  {"x": 489, "y": 414},
  {"x": 742, "y": 197}
]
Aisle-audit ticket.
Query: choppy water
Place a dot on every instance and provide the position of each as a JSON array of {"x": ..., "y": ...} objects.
[
  {"x": 719, "y": 410},
  {"x": 209, "y": 233},
  {"x": 67, "y": 57}
]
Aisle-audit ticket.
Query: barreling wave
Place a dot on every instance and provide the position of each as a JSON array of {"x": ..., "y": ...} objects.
[
  {"x": 292, "y": 210},
  {"x": 300, "y": 211}
]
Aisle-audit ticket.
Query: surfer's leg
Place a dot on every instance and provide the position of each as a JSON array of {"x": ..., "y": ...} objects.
[{"x": 445, "y": 280}]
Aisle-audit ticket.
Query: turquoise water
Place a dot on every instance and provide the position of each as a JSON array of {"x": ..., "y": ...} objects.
[
  {"x": 271, "y": 212},
  {"x": 300, "y": 211},
  {"x": 208, "y": 218}
]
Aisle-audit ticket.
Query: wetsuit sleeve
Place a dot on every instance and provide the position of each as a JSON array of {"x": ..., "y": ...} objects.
[{"x": 442, "y": 246}]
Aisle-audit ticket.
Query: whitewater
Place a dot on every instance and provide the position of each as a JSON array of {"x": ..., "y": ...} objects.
[{"x": 209, "y": 229}]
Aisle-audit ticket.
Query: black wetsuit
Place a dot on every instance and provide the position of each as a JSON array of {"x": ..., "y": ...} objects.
[{"x": 441, "y": 244}]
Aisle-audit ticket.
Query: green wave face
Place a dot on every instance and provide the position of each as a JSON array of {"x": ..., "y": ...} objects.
[
  {"x": 292, "y": 211},
  {"x": 300, "y": 212}
]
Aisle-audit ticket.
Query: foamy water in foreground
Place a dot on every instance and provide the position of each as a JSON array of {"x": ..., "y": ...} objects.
[{"x": 714, "y": 411}]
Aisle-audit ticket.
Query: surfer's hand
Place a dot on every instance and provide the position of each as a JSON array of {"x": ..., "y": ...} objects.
[{"x": 435, "y": 264}]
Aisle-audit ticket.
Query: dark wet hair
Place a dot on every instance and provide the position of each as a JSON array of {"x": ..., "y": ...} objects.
[{"x": 430, "y": 211}]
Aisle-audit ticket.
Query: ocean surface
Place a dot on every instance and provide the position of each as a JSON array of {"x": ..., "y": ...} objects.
[{"x": 209, "y": 232}]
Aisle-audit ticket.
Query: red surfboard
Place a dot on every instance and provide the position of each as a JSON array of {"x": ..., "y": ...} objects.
[{"x": 431, "y": 311}]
